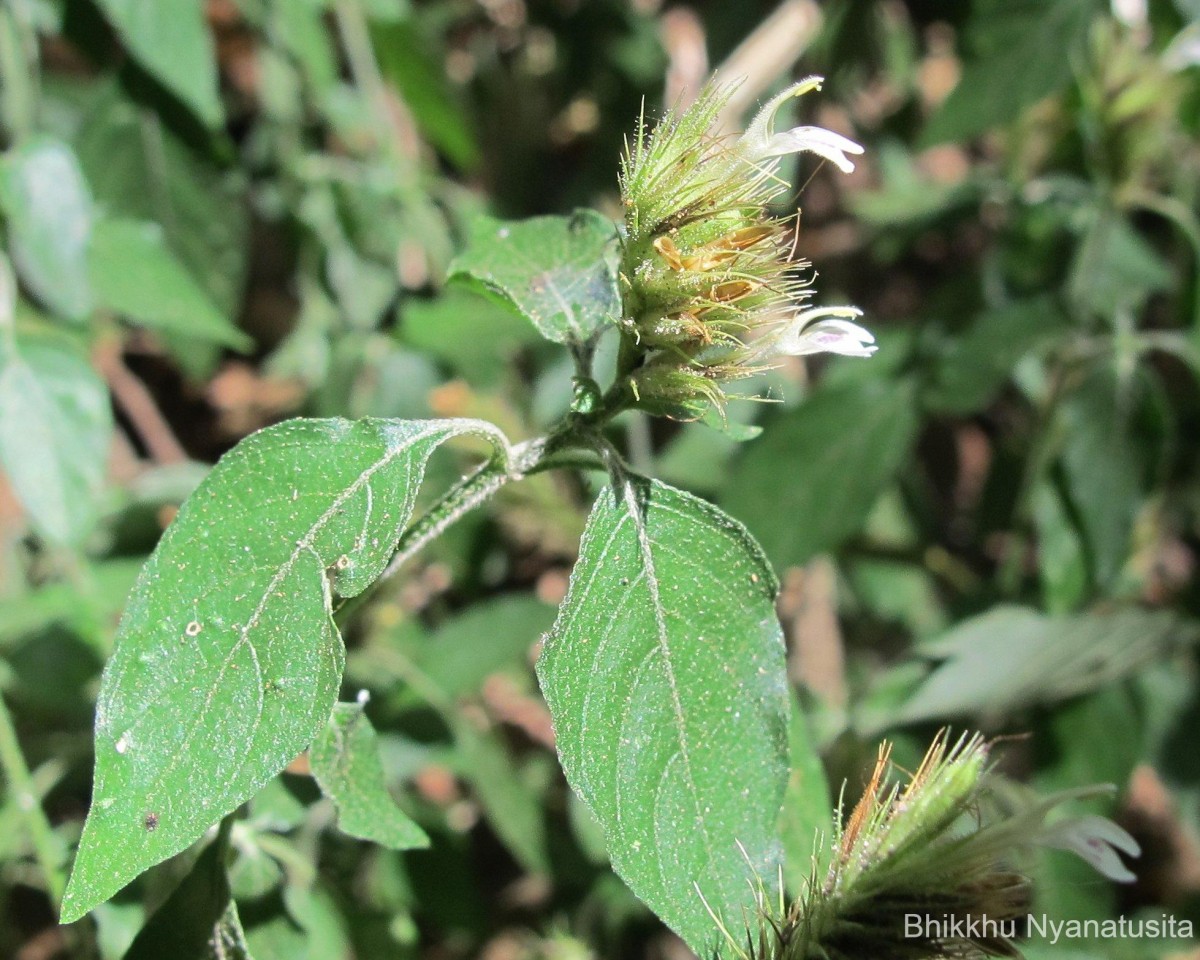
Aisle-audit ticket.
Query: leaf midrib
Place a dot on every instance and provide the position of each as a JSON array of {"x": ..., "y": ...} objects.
[
  {"x": 651, "y": 579},
  {"x": 305, "y": 543}
]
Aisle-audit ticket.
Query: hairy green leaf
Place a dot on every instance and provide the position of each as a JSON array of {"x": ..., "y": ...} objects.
[
  {"x": 559, "y": 272},
  {"x": 227, "y": 660},
  {"x": 665, "y": 677},
  {"x": 171, "y": 40},
  {"x": 55, "y": 427},
  {"x": 49, "y": 211},
  {"x": 345, "y": 761},
  {"x": 842, "y": 447},
  {"x": 136, "y": 274}
]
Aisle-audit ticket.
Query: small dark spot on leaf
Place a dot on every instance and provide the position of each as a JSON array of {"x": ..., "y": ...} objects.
[{"x": 151, "y": 822}]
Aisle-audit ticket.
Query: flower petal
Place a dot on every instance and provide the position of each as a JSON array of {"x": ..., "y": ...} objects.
[
  {"x": 1096, "y": 840},
  {"x": 762, "y": 127},
  {"x": 805, "y": 317},
  {"x": 825, "y": 330},
  {"x": 824, "y": 143}
]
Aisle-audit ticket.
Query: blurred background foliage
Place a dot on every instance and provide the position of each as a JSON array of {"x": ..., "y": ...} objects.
[{"x": 223, "y": 214}]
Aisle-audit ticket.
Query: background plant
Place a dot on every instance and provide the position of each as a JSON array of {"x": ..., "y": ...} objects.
[{"x": 250, "y": 212}]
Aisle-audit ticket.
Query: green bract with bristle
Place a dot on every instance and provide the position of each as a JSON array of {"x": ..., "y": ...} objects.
[
  {"x": 911, "y": 863},
  {"x": 710, "y": 287},
  {"x": 677, "y": 174}
]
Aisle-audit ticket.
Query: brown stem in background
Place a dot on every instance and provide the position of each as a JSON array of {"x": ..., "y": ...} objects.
[
  {"x": 764, "y": 56},
  {"x": 682, "y": 34},
  {"x": 137, "y": 403},
  {"x": 808, "y": 609}
]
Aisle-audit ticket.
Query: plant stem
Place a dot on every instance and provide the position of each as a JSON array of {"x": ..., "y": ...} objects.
[
  {"x": 391, "y": 113},
  {"x": 559, "y": 448},
  {"x": 46, "y": 848},
  {"x": 471, "y": 491},
  {"x": 1010, "y": 568}
]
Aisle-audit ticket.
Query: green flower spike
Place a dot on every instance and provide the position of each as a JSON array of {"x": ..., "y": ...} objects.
[
  {"x": 916, "y": 873},
  {"x": 711, "y": 292}
]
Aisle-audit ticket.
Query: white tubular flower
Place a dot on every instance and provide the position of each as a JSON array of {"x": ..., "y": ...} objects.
[
  {"x": 825, "y": 330},
  {"x": 760, "y": 142},
  {"x": 1096, "y": 840}
]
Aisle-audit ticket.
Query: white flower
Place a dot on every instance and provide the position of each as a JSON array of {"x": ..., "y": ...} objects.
[
  {"x": 1132, "y": 13},
  {"x": 1096, "y": 840},
  {"x": 824, "y": 330},
  {"x": 1183, "y": 51},
  {"x": 760, "y": 141}
]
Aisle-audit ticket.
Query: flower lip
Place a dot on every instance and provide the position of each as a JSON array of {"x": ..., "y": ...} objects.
[
  {"x": 824, "y": 143},
  {"x": 825, "y": 330},
  {"x": 1097, "y": 840},
  {"x": 760, "y": 141}
]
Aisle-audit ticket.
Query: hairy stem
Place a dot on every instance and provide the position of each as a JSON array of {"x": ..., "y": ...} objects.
[{"x": 471, "y": 491}]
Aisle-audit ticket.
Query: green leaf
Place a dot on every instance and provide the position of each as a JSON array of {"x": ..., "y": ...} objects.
[
  {"x": 469, "y": 333},
  {"x": 199, "y": 921},
  {"x": 1093, "y": 739},
  {"x": 1105, "y": 463},
  {"x": 227, "y": 660},
  {"x": 301, "y": 30},
  {"x": 87, "y": 609},
  {"x": 453, "y": 663},
  {"x": 841, "y": 448},
  {"x": 974, "y": 365},
  {"x": 1062, "y": 560},
  {"x": 807, "y": 816},
  {"x": 1020, "y": 52},
  {"x": 1012, "y": 657},
  {"x": 22, "y": 88},
  {"x": 140, "y": 169},
  {"x": 345, "y": 761},
  {"x": 302, "y": 924},
  {"x": 559, "y": 272},
  {"x": 49, "y": 210},
  {"x": 665, "y": 676},
  {"x": 171, "y": 40},
  {"x": 512, "y": 809},
  {"x": 1115, "y": 269},
  {"x": 55, "y": 427},
  {"x": 907, "y": 198},
  {"x": 409, "y": 60},
  {"x": 135, "y": 273},
  {"x": 483, "y": 640}
]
